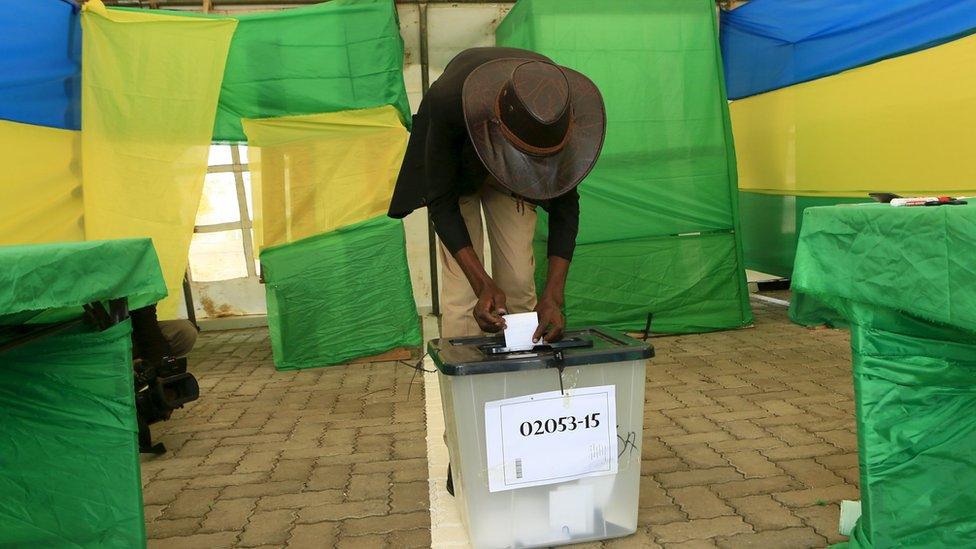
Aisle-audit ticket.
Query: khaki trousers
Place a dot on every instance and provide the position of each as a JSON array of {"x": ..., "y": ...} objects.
[
  {"x": 181, "y": 334},
  {"x": 511, "y": 226}
]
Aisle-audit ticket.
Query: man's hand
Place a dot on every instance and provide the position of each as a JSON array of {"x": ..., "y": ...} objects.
[
  {"x": 490, "y": 307},
  {"x": 551, "y": 321},
  {"x": 550, "y": 306},
  {"x": 491, "y": 300}
]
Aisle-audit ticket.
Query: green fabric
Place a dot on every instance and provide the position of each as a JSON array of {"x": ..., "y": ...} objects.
[
  {"x": 667, "y": 166},
  {"x": 915, "y": 387},
  {"x": 683, "y": 269},
  {"x": 770, "y": 226},
  {"x": 334, "y": 56},
  {"x": 808, "y": 310},
  {"x": 903, "y": 279},
  {"x": 64, "y": 276},
  {"x": 69, "y": 465},
  {"x": 340, "y": 295},
  {"x": 920, "y": 260}
]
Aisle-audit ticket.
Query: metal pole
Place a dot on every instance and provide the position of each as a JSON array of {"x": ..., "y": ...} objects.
[
  {"x": 191, "y": 313},
  {"x": 435, "y": 300},
  {"x": 245, "y": 224}
]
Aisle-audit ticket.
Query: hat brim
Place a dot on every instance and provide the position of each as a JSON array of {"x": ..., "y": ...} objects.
[{"x": 533, "y": 177}]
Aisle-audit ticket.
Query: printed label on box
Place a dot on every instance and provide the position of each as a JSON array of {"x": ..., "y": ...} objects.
[{"x": 547, "y": 438}]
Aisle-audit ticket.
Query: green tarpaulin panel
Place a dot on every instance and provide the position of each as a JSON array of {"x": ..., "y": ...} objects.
[
  {"x": 702, "y": 263},
  {"x": 665, "y": 183},
  {"x": 69, "y": 457},
  {"x": 903, "y": 279},
  {"x": 69, "y": 465},
  {"x": 62, "y": 277},
  {"x": 920, "y": 260},
  {"x": 334, "y": 56},
  {"x": 770, "y": 226},
  {"x": 340, "y": 295}
]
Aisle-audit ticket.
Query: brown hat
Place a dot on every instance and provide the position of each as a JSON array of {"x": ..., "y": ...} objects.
[{"x": 536, "y": 126}]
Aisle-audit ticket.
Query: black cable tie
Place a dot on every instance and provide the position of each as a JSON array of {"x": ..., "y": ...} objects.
[{"x": 557, "y": 356}]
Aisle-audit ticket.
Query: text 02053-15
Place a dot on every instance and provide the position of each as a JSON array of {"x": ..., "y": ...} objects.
[{"x": 559, "y": 425}]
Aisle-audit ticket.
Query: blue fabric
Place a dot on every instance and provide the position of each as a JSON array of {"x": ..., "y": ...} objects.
[
  {"x": 770, "y": 44},
  {"x": 40, "y": 63}
]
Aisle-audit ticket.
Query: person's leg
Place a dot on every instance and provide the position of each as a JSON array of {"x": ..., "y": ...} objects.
[
  {"x": 511, "y": 228},
  {"x": 180, "y": 334},
  {"x": 457, "y": 298}
]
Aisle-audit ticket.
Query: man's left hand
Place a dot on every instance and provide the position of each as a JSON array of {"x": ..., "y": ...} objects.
[{"x": 551, "y": 321}]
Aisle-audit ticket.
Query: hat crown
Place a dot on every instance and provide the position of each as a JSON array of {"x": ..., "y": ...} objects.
[
  {"x": 542, "y": 89},
  {"x": 534, "y": 108}
]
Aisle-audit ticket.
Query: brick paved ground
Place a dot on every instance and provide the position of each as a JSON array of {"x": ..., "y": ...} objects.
[
  {"x": 749, "y": 438},
  {"x": 330, "y": 457},
  {"x": 749, "y": 442}
]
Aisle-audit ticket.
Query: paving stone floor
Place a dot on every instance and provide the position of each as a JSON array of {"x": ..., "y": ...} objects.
[
  {"x": 328, "y": 457},
  {"x": 750, "y": 437},
  {"x": 749, "y": 442}
]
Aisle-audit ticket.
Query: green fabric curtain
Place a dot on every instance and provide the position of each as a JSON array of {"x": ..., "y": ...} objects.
[
  {"x": 658, "y": 223},
  {"x": 771, "y": 225},
  {"x": 69, "y": 465},
  {"x": 902, "y": 278},
  {"x": 340, "y": 295},
  {"x": 69, "y": 458},
  {"x": 334, "y": 56},
  {"x": 920, "y": 260},
  {"x": 915, "y": 386},
  {"x": 65, "y": 276}
]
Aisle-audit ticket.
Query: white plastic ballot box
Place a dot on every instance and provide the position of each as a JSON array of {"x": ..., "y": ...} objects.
[{"x": 545, "y": 445}]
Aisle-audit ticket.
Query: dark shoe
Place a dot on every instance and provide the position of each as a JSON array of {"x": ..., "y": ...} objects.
[{"x": 450, "y": 481}]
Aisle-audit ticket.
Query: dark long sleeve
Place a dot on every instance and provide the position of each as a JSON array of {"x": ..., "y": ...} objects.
[
  {"x": 443, "y": 169},
  {"x": 563, "y": 224}
]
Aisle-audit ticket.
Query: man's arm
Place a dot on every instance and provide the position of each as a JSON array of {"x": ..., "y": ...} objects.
[
  {"x": 491, "y": 300},
  {"x": 550, "y": 305},
  {"x": 443, "y": 170},
  {"x": 563, "y": 228},
  {"x": 446, "y": 214}
]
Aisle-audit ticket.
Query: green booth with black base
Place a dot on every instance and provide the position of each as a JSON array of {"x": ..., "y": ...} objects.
[{"x": 69, "y": 457}]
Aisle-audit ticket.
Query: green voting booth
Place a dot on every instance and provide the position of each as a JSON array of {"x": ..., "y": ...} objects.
[
  {"x": 904, "y": 280},
  {"x": 659, "y": 228},
  {"x": 69, "y": 458}
]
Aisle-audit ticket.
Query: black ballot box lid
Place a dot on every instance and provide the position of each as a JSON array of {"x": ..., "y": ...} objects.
[{"x": 487, "y": 355}]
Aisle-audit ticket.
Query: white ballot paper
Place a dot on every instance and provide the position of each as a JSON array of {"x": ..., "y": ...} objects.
[
  {"x": 519, "y": 329},
  {"x": 551, "y": 437}
]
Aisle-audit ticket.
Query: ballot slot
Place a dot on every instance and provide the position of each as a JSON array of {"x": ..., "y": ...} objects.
[{"x": 499, "y": 349}]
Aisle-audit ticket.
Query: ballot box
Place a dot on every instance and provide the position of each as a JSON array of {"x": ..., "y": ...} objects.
[{"x": 545, "y": 444}]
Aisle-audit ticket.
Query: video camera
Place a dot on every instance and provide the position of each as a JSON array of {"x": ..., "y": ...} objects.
[{"x": 161, "y": 388}]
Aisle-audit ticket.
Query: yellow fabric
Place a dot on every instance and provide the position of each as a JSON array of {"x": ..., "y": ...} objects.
[
  {"x": 150, "y": 84},
  {"x": 311, "y": 174},
  {"x": 41, "y": 184},
  {"x": 903, "y": 125}
]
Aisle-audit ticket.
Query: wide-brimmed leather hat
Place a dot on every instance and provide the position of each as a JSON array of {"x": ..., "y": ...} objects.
[{"x": 538, "y": 127}]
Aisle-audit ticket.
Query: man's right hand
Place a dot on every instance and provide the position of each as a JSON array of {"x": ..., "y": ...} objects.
[
  {"x": 491, "y": 300},
  {"x": 490, "y": 308}
]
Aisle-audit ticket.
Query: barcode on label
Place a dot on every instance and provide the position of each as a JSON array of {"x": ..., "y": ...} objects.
[{"x": 518, "y": 468}]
